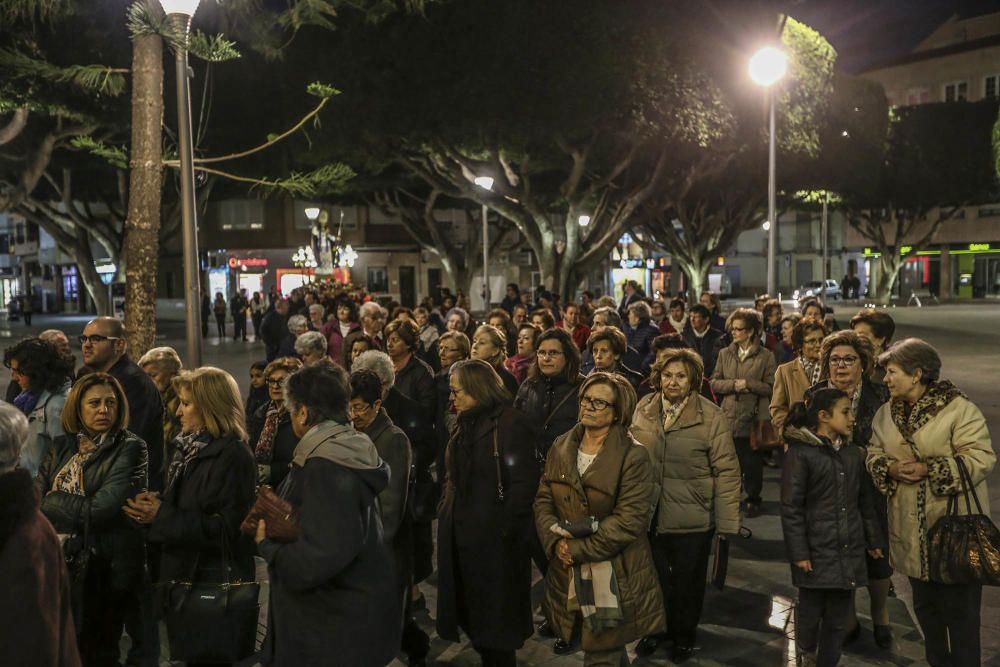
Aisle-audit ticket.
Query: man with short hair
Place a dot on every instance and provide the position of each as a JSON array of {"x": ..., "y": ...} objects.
[
  {"x": 702, "y": 337},
  {"x": 238, "y": 307}
]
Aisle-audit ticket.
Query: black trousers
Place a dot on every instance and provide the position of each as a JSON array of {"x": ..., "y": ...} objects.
[
  {"x": 752, "y": 469},
  {"x": 949, "y": 618},
  {"x": 493, "y": 658},
  {"x": 821, "y": 622},
  {"x": 143, "y": 629},
  {"x": 220, "y": 324},
  {"x": 240, "y": 326},
  {"x": 103, "y": 616},
  {"x": 681, "y": 561},
  {"x": 256, "y": 318}
]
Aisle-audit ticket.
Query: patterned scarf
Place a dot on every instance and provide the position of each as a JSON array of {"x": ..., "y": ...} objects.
[
  {"x": 812, "y": 369},
  {"x": 69, "y": 479},
  {"x": 909, "y": 419},
  {"x": 672, "y": 411},
  {"x": 187, "y": 447},
  {"x": 276, "y": 416}
]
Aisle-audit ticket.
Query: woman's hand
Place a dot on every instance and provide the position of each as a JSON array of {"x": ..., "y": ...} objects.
[
  {"x": 563, "y": 554},
  {"x": 740, "y": 385},
  {"x": 804, "y": 565},
  {"x": 875, "y": 553},
  {"x": 909, "y": 472},
  {"x": 144, "y": 507},
  {"x": 261, "y": 534}
]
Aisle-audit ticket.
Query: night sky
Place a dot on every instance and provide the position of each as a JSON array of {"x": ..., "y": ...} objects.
[{"x": 868, "y": 32}]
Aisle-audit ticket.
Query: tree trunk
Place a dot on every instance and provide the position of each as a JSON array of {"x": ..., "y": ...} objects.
[
  {"x": 141, "y": 251},
  {"x": 91, "y": 280},
  {"x": 696, "y": 274},
  {"x": 888, "y": 271}
]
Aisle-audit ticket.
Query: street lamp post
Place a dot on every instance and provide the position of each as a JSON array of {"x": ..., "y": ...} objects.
[
  {"x": 767, "y": 67},
  {"x": 486, "y": 183},
  {"x": 180, "y": 12}
]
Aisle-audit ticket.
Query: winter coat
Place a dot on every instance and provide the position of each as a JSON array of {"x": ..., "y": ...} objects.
[
  {"x": 484, "y": 562},
  {"x": 36, "y": 618},
  {"x": 707, "y": 346},
  {"x": 335, "y": 339},
  {"x": 44, "y": 426},
  {"x": 416, "y": 381},
  {"x": 444, "y": 419},
  {"x": 282, "y": 448},
  {"x": 115, "y": 473},
  {"x": 946, "y": 426},
  {"x": 790, "y": 386},
  {"x": 508, "y": 379},
  {"x": 256, "y": 397},
  {"x": 145, "y": 414},
  {"x": 203, "y": 507},
  {"x": 581, "y": 332},
  {"x": 641, "y": 337},
  {"x": 696, "y": 475},
  {"x": 518, "y": 367},
  {"x": 873, "y": 397},
  {"x": 332, "y": 602},
  {"x": 758, "y": 369},
  {"x": 551, "y": 406},
  {"x": 273, "y": 329},
  {"x": 827, "y": 512},
  {"x": 616, "y": 489}
]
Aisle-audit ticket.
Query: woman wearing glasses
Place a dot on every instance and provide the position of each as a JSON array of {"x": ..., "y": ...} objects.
[
  {"x": 796, "y": 376},
  {"x": 271, "y": 436},
  {"x": 597, "y": 471},
  {"x": 846, "y": 362},
  {"x": 743, "y": 379},
  {"x": 484, "y": 566}
]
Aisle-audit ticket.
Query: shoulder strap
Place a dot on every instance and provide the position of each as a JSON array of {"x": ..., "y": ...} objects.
[
  {"x": 496, "y": 459},
  {"x": 556, "y": 409}
]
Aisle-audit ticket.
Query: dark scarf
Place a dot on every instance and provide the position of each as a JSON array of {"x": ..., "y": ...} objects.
[
  {"x": 26, "y": 401},
  {"x": 910, "y": 418}
]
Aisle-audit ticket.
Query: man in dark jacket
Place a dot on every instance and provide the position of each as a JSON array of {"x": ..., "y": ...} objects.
[
  {"x": 703, "y": 338},
  {"x": 238, "y": 307},
  {"x": 274, "y": 327}
]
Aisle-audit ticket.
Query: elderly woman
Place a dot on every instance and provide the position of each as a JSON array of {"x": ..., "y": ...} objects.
[
  {"x": 356, "y": 343},
  {"x": 713, "y": 302},
  {"x": 36, "y": 621},
  {"x": 795, "y": 377},
  {"x": 785, "y": 350},
  {"x": 428, "y": 334},
  {"x": 640, "y": 330},
  {"x": 607, "y": 347},
  {"x": 43, "y": 376},
  {"x": 414, "y": 378},
  {"x": 272, "y": 438},
  {"x": 373, "y": 318},
  {"x": 162, "y": 364},
  {"x": 743, "y": 379},
  {"x": 527, "y": 341},
  {"x": 878, "y": 327},
  {"x": 918, "y": 440},
  {"x": 311, "y": 347},
  {"x": 697, "y": 489},
  {"x": 210, "y": 487},
  {"x": 88, "y": 474},
  {"x": 452, "y": 347},
  {"x": 484, "y": 567},
  {"x": 490, "y": 345},
  {"x": 337, "y": 330},
  {"x": 595, "y": 456},
  {"x": 500, "y": 318},
  {"x": 317, "y": 317},
  {"x": 771, "y": 314},
  {"x": 333, "y": 598}
]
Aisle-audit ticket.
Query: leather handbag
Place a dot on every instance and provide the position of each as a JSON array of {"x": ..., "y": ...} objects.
[
  {"x": 964, "y": 548},
  {"x": 278, "y": 514},
  {"x": 210, "y": 617},
  {"x": 763, "y": 435}
]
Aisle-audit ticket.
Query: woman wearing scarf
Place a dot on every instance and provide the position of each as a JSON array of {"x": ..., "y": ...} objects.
[
  {"x": 696, "y": 476},
  {"x": 210, "y": 485},
  {"x": 796, "y": 376},
  {"x": 484, "y": 566},
  {"x": 518, "y": 365},
  {"x": 43, "y": 376},
  {"x": 271, "y": 436},
  {"x": 89, "y": 473},
  {"x": 917, "y": 441},
  {"x": 591, "y": 513}
]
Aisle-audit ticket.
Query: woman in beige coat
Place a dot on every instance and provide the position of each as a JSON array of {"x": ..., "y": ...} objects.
[
  {"x": 696, "y": 479},
  {"x": 743, "y": 379},
  {"x": 795, "y": 377},
  {"x": 597, "y": 470},
  {"x": 918, "y": 438}
]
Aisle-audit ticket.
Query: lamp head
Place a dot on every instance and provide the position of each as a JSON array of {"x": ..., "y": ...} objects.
[
  {"x": 768, "y": 66},
  {"x": 485, "y": 182},
  {"x": 584, "y": 220},
  {"x": 312, "y": 212},
  {"x": 183, "y": 7}
]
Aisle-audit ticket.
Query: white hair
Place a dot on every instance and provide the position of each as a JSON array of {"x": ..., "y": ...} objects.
[
  {"x": 296, "y": 322},
  {"x": 13, "y": 435},
  {"x": 378, "y": 363},
  {"x": 165, "y": 358},
  {"x": 311, "y": 341},
  {"x": 316, "y": 308},
  {"x": 372, "y": 308}
]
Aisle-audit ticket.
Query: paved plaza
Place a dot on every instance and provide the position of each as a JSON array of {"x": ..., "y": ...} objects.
[{"x": 750, "y": 623}]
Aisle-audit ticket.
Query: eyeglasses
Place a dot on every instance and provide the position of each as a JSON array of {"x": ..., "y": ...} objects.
[
  {"x": 597, "y": 404},
  {"x": 275, "y": 382},
  {"x": 95, "y": 339},
  {"x": 813, "y": 341},
  {"x": 549, "y": 354},
  {"x": 358, "y": 409},
  {"x": 843, "y": 361},
  {"x": 455, "y": 392}
]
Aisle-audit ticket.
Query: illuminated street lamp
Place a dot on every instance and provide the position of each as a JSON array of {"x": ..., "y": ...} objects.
[
  {"x": 768, "y": 67},
  {"x": 179, "y": 13},
  {"x": 486, "y": 183},
  {"x": 584, "y": 220}
]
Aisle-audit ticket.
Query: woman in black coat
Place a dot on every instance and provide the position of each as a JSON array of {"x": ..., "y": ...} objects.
[
  {"x": 85, "y": 479},
  {"x": 271, "y": 436},
  {"x": 484, "y": 565},
  {"x": 453, "y": 346},
  {"x": 210, "y": 486},
  {"x": 333, "y": 597}
]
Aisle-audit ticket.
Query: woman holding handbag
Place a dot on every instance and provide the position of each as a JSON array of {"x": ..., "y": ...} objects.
[
  {"x": 591, "y": 513},
  {"x": 485, "y": 520},
  {"x": 86, "y": 477},
  {"x": 743, "y": 380},
  {"x": 696, "y": 476},
  {"x": 919, "y": 438},
  {"x": 195, "y": 522}
]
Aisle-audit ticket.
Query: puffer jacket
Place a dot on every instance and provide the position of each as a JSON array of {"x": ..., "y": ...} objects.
[
  {"x": 616, "y": 489},
  {"x": 696, "y": 475},
  {"x": 115, "y": 473},
  {"x": 551, "y": 405},
  {"x": 758, "y": 369},
  {"x": 827, "y": 512}
]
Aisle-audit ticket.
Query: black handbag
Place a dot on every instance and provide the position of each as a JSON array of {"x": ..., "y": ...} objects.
[
  {"x": 211, "y": 618},
  {"x": 964, "y": 548}
]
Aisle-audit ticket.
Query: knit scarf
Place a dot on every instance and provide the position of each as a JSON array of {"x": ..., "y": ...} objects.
[
  {"x": 909, "y": 419},
  {"x": 276, "y": 416},
  {"x": 187, "y": 447},
  {"x": 69, "y": 479},
  {"x": 26, "y": 401}
]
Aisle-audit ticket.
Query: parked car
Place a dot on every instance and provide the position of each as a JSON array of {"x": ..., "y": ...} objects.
[{"x": 827, "y": 291}]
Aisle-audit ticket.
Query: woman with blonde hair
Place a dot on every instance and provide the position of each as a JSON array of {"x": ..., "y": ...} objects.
[
  {"x": 211, "y": 482},
  {"x": 162, "y": 364},
  {"x": 490, "y": 345}
]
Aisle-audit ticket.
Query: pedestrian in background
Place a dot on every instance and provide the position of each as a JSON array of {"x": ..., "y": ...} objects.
[
  {"x": 490, "y": 345},
  {"x": 258, "y": 306},
  {"x": 238, "y": 306},
  {"x": 527, "y": 341},
  {"x": 356, "y": 343},
  {"x": 311, "y": 347},
  {"x": 785, "y": 350},
  {"x": 274, "y": 328},
  {"x": 206, "y": 313},
  {"x": 794, "y": 378},
  {"x": 258, "y": 394},
  {"x": 713, "y": 302},
  {"x": 452, "y": 347},
  {"x": 162, "y": 365},
  {"x": 640, "y": 332},
  {"x": 878, "y": 327},
  {"x": 219, "y": 308}
]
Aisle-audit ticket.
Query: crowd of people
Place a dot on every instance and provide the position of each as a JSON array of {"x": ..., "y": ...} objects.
[{"x": 608, "y": 443}]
